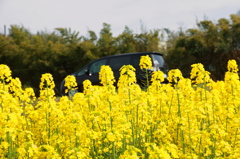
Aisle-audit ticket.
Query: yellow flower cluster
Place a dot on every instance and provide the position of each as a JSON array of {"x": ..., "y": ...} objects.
[
  {"x": 5, "y": 76},
  {"x": 232, "y": 66},
  {"x": 161, "y": 122},
  {"x": 199, "y": 75},
  {"x": 47, "y": 86},
  {"x": 145, "y": 62},
  {"x": 5, "y": 73},
  {"x": 127, "y": 76},
  {"x": 47, "y": 81},
  {"x": 174, "y": 75},
  {"x": 70, "y": 83},
  {"x": 106, "y": 75}
]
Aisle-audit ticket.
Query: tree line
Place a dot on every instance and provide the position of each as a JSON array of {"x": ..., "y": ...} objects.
[
  {"x": 211, "y": 44},
  {"x": 64, "y": 51}
]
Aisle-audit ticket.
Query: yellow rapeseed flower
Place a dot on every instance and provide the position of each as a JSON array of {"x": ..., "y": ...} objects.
[
  {"x": 145, "y": 62},
  {"x": 174, "y": 75},
  {"x": 199, "y": 75},
  {"x": 15, "y": 87},
  {"x": 131, "y": 153},
  {"x": 127, "y": 76},
  {"x": 47, "y": 86},
  {"x": 47, "y": 151},
  {"x": 157, "y": 79},
  {"x": 111, "y": 137},
  {"x": 157, "y": 76},
  {"x": 47, "y": 81},
  {"x": 29, "y": 94},
  {"x": 70, "y": 83},
  {"x": 5, "y": 73},
  {"x": 232, "y": 66},
  {"x": 87, "y": 85},
  {"x": 106, "y": 75}
]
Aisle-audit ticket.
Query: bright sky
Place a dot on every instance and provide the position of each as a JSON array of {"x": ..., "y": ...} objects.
[{"x": 84, "y": 15}]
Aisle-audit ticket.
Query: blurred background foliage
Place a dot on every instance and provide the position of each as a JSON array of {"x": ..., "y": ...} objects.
[{"x": 64, "y": 51}]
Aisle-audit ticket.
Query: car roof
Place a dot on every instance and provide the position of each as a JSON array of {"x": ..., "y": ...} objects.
[
  {"x": 123, "y": 54},
  {"x": 134, "y": 53}
]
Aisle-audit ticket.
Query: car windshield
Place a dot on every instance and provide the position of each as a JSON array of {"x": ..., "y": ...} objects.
[{"x": 158, "y": 61}]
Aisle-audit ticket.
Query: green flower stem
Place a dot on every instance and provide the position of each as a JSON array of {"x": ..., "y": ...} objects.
[
  {"x": 10, "y": 147},
  {"x": 214, "y": 146},
  {"x": 189, "y": 134},
  {"x": 133, "y": 133},
  {"x": 111, "y": 118},
  {"x": 182, "y": 141},
  {"x": 147, "y": 78},
  {"x": 179, "y": 106},
  {"x": 235, "y": 138}
]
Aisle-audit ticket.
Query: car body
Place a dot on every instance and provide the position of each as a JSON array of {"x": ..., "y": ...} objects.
[{"x": 91, "y": 70}]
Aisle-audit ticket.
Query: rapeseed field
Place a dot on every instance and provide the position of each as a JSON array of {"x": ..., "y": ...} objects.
[{"x": 191, "y": 118}]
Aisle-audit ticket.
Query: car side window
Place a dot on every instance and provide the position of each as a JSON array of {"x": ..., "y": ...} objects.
[
  {"x": 82, "y": 72},
  {"x": 117, "y": 62},
  {"x": 136, "y": 61},
  {"x": 96, "y": 66}
]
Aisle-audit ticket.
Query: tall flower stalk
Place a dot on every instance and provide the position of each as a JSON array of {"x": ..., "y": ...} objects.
[
  {"x": 126, "y": 80},
  {"x": 146, "y": 65},
  {"x": 47, "y": 92},
  {"x": 71, "y": 84}
]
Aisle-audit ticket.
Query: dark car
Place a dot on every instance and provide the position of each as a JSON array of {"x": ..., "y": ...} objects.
[{"x": 91, "y": 70}]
